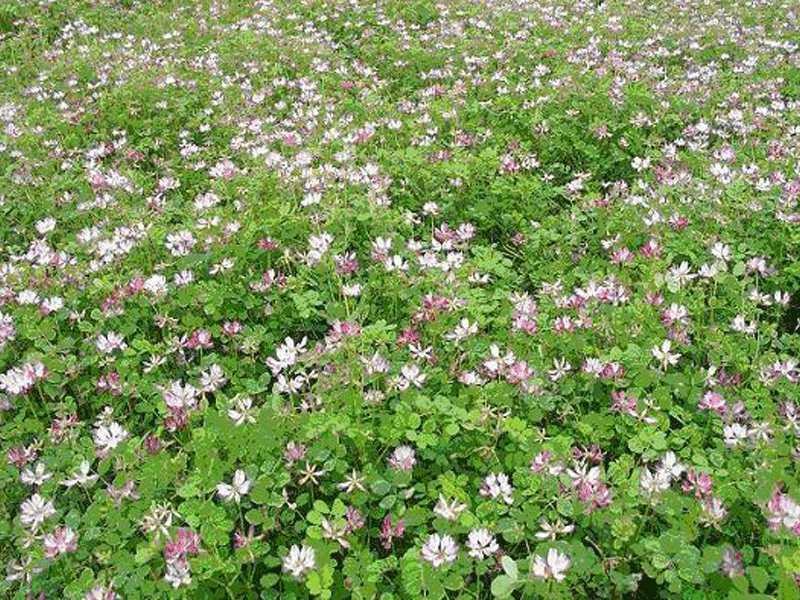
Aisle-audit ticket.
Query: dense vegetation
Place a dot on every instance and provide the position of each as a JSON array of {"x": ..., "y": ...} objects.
[{"x": 399, "y": 299}]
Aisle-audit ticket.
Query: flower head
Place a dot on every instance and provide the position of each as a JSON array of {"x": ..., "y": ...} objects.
[
  {"x": 35, "y": 510},
  {"x": 497, "y": 486},
  {"x": 555, "y": 565},
  {"x": 299, "y": 561},
  {"x": 61, "y": 540},
  {"x": 449, "y": 511},
  {"x": 403, "y": 458},
  {"x": 481, "y": 544},
  {"x": 439, "y": 550},
  {"x": 234, "y": 492}
]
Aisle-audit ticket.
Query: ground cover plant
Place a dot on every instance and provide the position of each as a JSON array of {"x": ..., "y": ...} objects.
[{"x": 399, "y": 299}]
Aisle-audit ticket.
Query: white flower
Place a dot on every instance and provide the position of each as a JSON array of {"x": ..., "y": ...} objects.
[
  {"x": 581, "y": 475},
  {"x": 714, "y": 511},
  {"x": 439, "y": 549},
  {"x": 652, "y": 484},
  {"x": 352, "y": 290},
  {"x": 555, "y": 565},
  {"x": 403, "y": 458},
  {"x": 108, "y": 437},
  {"x": 28, "y": 297},
  {"x": 35, "y": 510},
  {"x": 335, "y": 531},
  {"x": 352, "y": 483},
  {"x": 663, "y": 354},
  {"x": 462, "y": 331},
  {"x": 681, "y": 274},
  {"x": 81, "y": 476},
  {"x": 286, "y": 355},
  {"x": 708, "y": 271},
  {"x": 447, "y": 511},
  {"x": 430, "y": 208},
  {"x": 671, "y": 466},
  {"x": 180, "y": 396},
  {"x": 481, "y": 544},
  {"x": 242, "y": 411},
  {"x": 100, "y": 592},
  {"x": 381, "y": 246},
  {"x": 53, "y": 304},
  {"x": 37, "y": 476},
  {"x": 106, "y": 344},
  {"x": 299, "y": 561},
  {"x": 741, "y": 326},
  {"x": 411, "y": 375},
  {"x": 234, "y": 492},
  {"x": 178, "y": 573},
  {"x": 734, "y": 434},
  {"x": 158, "y": 520},
  {"x": 213, "y": 379},
  {"x": 183, "y": 278},
  {"x": 721, "y": 251},
  {"x": 550, "y": 531},
  {"x": 395, "y": 263},
  {"x": 45, "y": 225},
  {"x": 156, "y": 285},
  {"x": 640, "y": 164},
  {"x": 180, "y": 243},
  {"x": 560, "y": 369},
  {"x": 496, "y": 486}
]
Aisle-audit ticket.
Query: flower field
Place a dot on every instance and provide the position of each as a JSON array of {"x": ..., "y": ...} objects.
[{"x": 400, "y": 299}]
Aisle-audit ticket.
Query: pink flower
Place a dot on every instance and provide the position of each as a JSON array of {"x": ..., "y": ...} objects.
[
  {"x": 231, "y": 327},
  {"x": 388, "y": 533},
  {"x": 701, "y": 484},
  {"x": 713, "y": 401},
  {"x": 19, "y": 456},
  {"x": 784, "y": 512},
  {"x": 185, "y": 542},
  {"x": 294, "y": 452},
  {"x": 355, "y": 520},
  {"x": 61, "y": 540},
  {"x": 731, "y": 564}
]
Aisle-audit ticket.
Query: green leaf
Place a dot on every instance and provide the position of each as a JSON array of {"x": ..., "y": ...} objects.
[
  {"x": 741, "y": 583},
  {"x": 510, "y": 567},
  {"x": 758, "y": 577},
  {"x": 381, "y": 487},
  {"x": 411, "y": 573},
  {"x": 314, "y": 583},
  {"x": 144, "y": 554},
  {"x": 261, "y": 491},
  {"x": 503, "y": 586}
]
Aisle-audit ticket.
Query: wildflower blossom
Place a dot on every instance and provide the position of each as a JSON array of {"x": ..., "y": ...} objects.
[
  {"x": 403, "y": 458},
  {"x": 60, "y": 541},
  {"x": 439, "y": 550},
  {"x": 35, "y": 510},
  {"x": 555, "y": 565},
  {"x": 497, "y": 486},
  {"x": 448, "y": 511},
  {"x": 299, "y": 561},
  {"x": 81, "y": 476},
  {"x": 36, "y": 476},
  {"x": 481, "y": 544},
  {"x": 388, "y": 533},
  {"x": 233, "y": 492}
]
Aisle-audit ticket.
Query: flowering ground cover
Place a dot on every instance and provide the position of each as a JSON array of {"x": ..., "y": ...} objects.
[{"x": 399, "y": 299}]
